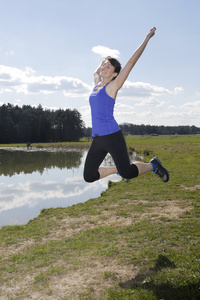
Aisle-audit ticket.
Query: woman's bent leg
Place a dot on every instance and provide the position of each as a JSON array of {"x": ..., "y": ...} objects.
[
  {"x": 143, "y": 168},
  {"x": 120, "y": 156},
  {"x": 94, "y": 158},
  {"x": 106, "y": 171}
]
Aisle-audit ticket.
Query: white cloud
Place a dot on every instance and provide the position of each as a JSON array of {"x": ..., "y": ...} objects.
[
  {"x": 27, "y": 82},
  {"x": 133, "y": 90},
  {"x": 123, "y": 106},
  {"x": 150, "y": 102},
  {"x": 178, "y": 90},
  {"x": 172, "y": 107},
  {"x": 86, "y": 115},
  {"x": 104, "y": 51},
  {"x": 143, "y": 103},
  {"x": 195, "y": 105},
  {"x": 137, "y": 102},
  {"x": 186, "y": 114}
]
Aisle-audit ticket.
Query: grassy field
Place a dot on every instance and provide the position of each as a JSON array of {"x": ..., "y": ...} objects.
[
  {"x": 139, "y": 240},
  {"x": 83, "y": 143}
]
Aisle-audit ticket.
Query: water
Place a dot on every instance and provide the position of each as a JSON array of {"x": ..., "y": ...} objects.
[{"x": 31, "y": 180}]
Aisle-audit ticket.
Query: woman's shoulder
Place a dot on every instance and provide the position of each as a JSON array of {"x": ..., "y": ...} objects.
[{"x": 111, "y": 89}]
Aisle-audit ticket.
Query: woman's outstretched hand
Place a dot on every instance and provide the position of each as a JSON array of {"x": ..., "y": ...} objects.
[{"x": 151, "y": 32}]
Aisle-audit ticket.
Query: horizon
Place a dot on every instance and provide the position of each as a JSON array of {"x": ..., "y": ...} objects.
[{"x": 124, "y": 123}]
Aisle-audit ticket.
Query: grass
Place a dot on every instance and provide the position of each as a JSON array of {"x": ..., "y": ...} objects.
[
  {"x": 82, "y": 144},
  {"x": 139, "y": 240}
]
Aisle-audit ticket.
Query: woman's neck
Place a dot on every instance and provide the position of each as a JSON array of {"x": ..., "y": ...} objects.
[{"x": 104, "y": 81}]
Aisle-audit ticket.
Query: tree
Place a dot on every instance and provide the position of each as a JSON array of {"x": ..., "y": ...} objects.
[{"x": 31, "y": 124}]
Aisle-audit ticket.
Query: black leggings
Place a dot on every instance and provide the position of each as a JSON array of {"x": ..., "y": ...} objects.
[{"x": 115, "y": 145}]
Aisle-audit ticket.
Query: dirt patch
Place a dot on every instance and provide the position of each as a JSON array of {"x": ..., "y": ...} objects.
[
  {"x": 191, "y": 188},
  {"x": 91, "y": 277},
  {"x": 169, "y": 209},
  {"x": 99, "y": 276},
  {"x": 92, "y": 280},
  {"x": 71, "y": 226}
]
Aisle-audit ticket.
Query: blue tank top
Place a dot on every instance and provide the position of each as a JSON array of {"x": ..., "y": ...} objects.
[{"x": 102, "y": 109}]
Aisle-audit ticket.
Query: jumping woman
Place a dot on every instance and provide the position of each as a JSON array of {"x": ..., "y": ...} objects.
[{"x": 106, "y": 133}]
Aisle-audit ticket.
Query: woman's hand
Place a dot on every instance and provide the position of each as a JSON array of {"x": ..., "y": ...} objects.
[
  {"x": 151, "y": 32},
  {"x": 97, "y": 77},
  {"x": 107, "y": 57}
]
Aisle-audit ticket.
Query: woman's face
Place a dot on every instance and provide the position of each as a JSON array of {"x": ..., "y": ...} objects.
[{"x": 107, "y": 70}]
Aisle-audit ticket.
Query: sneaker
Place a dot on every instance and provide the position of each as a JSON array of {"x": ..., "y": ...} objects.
[
  {"x": 160, "y": 170},
  {"x": 126, "y": 180}
]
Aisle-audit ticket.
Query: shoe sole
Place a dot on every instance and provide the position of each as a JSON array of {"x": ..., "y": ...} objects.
[{"x": 160, "y": 171}]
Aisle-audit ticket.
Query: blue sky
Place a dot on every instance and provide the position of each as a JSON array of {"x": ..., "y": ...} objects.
[{"x": 49, "y": 50}]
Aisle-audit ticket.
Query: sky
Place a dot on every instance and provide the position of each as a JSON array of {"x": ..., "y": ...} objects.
[{"x": 49, "y": 50}]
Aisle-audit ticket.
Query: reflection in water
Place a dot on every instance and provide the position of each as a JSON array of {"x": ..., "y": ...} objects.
[
  {"x": 15, "y": 161},
  {"x": 33, "y": 180}
]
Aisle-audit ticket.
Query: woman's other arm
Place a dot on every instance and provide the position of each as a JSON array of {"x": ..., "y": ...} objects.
[{"x": 97, "y": 77}]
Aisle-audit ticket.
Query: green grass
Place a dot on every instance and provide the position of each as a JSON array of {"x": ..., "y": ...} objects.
[
  {"x": 144, "y": 225},
  {"x": 83, "y": 143}
]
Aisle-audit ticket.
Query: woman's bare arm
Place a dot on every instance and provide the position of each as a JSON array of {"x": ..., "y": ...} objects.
[
  {"x": 121, "y": 78},
  {"x": 97, "y": 77}
]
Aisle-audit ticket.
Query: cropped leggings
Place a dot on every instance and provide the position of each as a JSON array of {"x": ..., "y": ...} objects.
[{"x": 115, "y": 145}]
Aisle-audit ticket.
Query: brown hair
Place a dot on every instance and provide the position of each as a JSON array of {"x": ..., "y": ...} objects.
[{"x": 116, "y": 64}]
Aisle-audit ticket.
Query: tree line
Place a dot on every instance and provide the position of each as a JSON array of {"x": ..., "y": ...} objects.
[
  {"x": 132, "y": 129},
  {"x": 35, "y": 124},
  {"x": 29, "y": 124},
  {"x": 158, "y": 130}
]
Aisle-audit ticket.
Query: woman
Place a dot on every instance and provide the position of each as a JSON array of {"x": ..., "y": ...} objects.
[{"x": 107, "y": 136}]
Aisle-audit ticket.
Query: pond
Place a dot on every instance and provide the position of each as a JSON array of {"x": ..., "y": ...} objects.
[{"x": 31, "y": 180}]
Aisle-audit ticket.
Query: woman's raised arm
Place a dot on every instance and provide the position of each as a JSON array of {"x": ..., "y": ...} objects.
[{"x": 121, "y": 78}]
